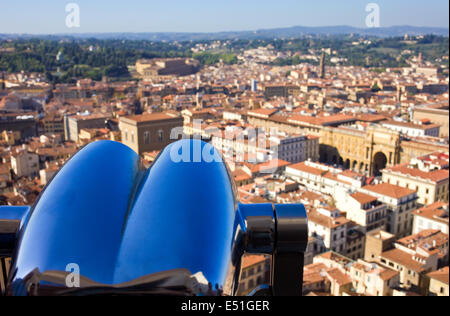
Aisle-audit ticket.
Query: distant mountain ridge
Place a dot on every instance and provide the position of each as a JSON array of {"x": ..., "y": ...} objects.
[{"x": 289, "y": 32}]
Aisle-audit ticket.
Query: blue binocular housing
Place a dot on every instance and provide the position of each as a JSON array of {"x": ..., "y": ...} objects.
[{"x": 175, "y": 228}]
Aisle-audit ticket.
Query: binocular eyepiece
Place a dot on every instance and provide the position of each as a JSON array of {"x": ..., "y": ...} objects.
[{"x": 107, "y": 225}]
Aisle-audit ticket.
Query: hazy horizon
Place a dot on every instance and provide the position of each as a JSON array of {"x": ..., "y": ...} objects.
[
  {"x": 213, "y": 32},
  {"x": 48, "y": 17}
]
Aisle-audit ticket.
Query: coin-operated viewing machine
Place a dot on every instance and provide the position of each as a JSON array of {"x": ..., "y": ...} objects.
[{"x": 105, "y": 225}]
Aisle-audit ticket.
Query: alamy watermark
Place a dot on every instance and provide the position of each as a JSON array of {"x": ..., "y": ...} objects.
[
  {"x": 243, "y": 145},
  {"x": 373, "y": 18},
  {"x": 73, "y": 15},
  {"x": 73, "y": 277}
]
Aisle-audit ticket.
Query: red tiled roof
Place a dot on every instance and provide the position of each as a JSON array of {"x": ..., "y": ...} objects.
[
  {"x": 434, "y": 211},
  {"x": 151, "y": 117},
  {"x": 440, "y": 275},
  {"x": 435, "y": 176},
  {"x": 338, "y": 276},
  {"x": 404, "y": 259},
  {"x": 390, "y": 190},
  {"x": 363, "y": 198},
  {"x": 251, "y": 260},
  {"x": 305, "y": 168}
]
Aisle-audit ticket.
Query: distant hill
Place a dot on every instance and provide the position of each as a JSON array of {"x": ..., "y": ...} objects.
[{"x": 291, "y": 32}]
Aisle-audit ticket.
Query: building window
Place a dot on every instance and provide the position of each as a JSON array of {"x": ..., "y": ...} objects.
[
  {"x": 147, "y": 138},
  {"x": 132, "y": 137},
  {"x": 160, "y": 136}
]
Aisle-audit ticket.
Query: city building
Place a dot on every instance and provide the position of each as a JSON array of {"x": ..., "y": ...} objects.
[
  {"x": 368, "y": 150},
  {"x": 437, "y": 114},
  {"x": 26, "y": 124},
  {"x": 372, "y": 279},
  {"x": 154, "y": 68},
  {"x": 355, "y": 242},
  {"x": 74, "y": 124},
  {"x": 330, "y": 227},
  {"x": 338, "y": 280},
  {"x": 150, "y": 132},
  {"x": 428, "y": 176},
  {"x": 324, "y": 179},
  {"x": 439, "y": 282},
  {"x": 415, "y": 256},
  {"x": 45, "y": 175},
  {"x": 25, "y": 164},
  {"x": 255, "y": 271},
  {"x": 400, "y": 202},
  {"x": 53, "y": 124},
  {"x": 376, "y": 243},
  {"x": 296, "y": 148},
  {"x": 434, "y": 216},
  {"x": 413, "y": 129},
  {"x": 366, "y": 211}
]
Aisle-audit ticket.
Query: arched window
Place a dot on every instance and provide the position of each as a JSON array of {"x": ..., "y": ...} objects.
[{"x": 160, "y": 136}]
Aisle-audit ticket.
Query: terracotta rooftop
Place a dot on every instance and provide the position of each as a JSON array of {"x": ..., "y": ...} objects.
[
  {"x": 434, "y": 176},
  {"x": 302, "y": 166},
  {"x": 363, "y": 198},
  {"x": 437, "y": 211},
  {"x": 251, "y": 260},
  {"x": 429, "y": 240},
  {"x": 403, "y": 258},
  {"x": 151, "y": 117},
  {"x": 440, "y": 275},
  {"x": 338, "y": 276},
  {"x": 326, "y": 221},
  {"x": 387, "y": 189}
]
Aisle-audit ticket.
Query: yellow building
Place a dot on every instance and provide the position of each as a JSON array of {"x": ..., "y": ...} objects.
[
  {"x": 425, "y": 175},
  {"x": 368, "y": 150},
  {"x": 435, "y": 113}
]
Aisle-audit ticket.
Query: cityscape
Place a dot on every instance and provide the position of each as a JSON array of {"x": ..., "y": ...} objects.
[{"x": 354, "y": 126}]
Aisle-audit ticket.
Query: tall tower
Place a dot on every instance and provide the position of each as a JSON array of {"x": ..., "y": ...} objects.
[
  {"x": 322, "y": 66},
  {"x": 420, "y": 59}
]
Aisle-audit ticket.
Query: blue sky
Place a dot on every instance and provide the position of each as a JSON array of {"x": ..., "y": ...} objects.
[{"x": 48, "y": 16}]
